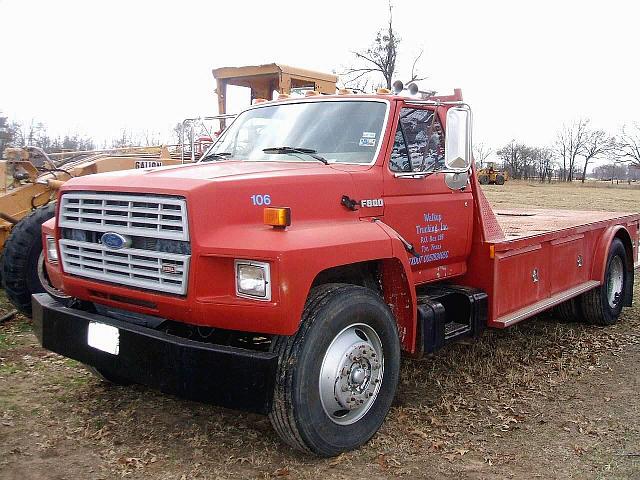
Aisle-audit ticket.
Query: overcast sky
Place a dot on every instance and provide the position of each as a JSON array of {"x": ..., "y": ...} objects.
[{"x": 525, "y": 67}]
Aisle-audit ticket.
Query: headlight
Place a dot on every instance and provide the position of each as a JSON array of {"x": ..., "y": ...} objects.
[
  {"x": 253, "y": 280},
  {"x": 52, "y": 251}
]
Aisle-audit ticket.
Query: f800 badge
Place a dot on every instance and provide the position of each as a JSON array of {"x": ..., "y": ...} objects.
[{"x": 374, "y": 202}]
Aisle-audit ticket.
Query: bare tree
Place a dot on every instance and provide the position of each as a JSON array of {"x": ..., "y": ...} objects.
[
  {"x": 596, "y": 145},
  {"x": 543, "y": 163},
  {"x": 124, "y": 140},
  {"x": 516, "y": 158},
  {"x": 481, "y": 152},
  {"x": 570, "y": 144},
  {"x": 379, "y": 58},
  {"x": 629, "y": 144}
]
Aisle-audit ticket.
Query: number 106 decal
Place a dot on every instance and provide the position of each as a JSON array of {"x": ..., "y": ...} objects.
[{"x": 261, "y": 199}]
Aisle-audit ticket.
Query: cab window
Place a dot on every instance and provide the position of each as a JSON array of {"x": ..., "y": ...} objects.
[{"x": 419, "y": 142}]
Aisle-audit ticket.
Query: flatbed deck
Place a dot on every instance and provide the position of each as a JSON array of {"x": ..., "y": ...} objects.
[
  {"x": 546, "y": 256},
  {"x": 524, "y": 223}
]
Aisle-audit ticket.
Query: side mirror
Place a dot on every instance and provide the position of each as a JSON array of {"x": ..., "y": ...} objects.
[{"x": 457, "y": 154}]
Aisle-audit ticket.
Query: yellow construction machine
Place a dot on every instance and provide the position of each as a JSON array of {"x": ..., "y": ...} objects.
[{"x": 491, "y": 174}]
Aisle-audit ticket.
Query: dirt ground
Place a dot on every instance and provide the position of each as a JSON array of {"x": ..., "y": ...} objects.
[{"x": 543, "y": 399}]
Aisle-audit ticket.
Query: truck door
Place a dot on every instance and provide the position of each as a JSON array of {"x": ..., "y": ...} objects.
[{"x": 422, "y": 208}]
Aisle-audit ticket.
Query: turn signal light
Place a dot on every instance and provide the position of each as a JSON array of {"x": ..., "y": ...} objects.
[{"x": 279, "y": 217}]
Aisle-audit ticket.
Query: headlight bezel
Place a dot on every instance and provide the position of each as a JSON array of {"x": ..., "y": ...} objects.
[
  {"x": 240, "y": 264},
  {"x": 52, "y": 250}
]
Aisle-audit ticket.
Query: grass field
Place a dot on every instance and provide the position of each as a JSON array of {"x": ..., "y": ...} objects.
[
  {"x": 591, "y": 196},
  {"x": 543, "y": 399}
]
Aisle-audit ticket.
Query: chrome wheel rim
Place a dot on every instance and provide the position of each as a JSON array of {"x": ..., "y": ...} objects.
[
  {"x": 615, "y": 282},
  {"x": 44, "y": 280},
  {"x": 351, "y": 374}
]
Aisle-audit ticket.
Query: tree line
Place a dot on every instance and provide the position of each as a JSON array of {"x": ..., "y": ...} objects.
[
  {"x": 576, "y": 146},
  {"x": 36, "y": 134}
]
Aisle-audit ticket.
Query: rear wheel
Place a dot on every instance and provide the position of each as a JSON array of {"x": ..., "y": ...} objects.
[
  {"x": 603, "y": 304},
  {"x": 483, "y": 179},
  {"x": 337, "y": 375},
  {"x": 499, "y": 179},
  {"x": 21, "y": 257},
  {"x": 568, "y": 311}
]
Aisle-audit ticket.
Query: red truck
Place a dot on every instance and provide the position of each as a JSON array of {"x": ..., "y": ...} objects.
[{"x": 318, "y": 240}]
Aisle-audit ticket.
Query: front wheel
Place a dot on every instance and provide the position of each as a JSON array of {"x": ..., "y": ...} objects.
[
  {"x": 338, "y": 374},
  {"x": 22, "y": 252}
]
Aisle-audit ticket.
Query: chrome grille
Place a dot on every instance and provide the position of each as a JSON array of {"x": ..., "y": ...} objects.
[
  {"x": 165, "y": 272},
  {"x": 141, "y": 215},
  {"x": 152, "y": 222}
]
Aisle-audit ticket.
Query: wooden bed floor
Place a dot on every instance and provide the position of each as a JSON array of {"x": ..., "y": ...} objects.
[{"x": 521, "y": 223}]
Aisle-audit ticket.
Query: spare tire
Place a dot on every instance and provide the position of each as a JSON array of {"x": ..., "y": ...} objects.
[{"x": 20, "y": 258}]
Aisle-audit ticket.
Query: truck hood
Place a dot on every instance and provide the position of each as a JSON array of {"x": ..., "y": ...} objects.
[
  {"x": 228, "y": 193},
  {"x": 186, "y": 177}
]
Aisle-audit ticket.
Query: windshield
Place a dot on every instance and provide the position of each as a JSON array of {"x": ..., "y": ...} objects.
[{"x": 338, "y": 131}]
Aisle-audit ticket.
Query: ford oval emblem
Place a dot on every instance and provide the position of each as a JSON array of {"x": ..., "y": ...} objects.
[{"x": 114, "y": 241}]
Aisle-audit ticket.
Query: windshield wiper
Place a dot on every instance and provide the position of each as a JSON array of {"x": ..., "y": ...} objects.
[
  {"x": 216, "y": 156},
  {"x": 305, "y": 151}
]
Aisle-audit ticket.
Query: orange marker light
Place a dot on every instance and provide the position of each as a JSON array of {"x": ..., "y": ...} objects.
[{"x": 279, "y": 217}]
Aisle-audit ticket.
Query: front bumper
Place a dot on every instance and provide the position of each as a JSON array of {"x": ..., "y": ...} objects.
[{"x": 226, "y": 376}]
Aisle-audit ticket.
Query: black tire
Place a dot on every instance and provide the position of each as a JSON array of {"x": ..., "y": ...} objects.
[
  {"x": 597, "y": 309},
  {"x": 298, "y": 414},
  {"x": 499, "y": 179},
  {"x": 483, "y": 179},
  {"x": 20, "y": 260},
  {"x": 568, "y": 311}
]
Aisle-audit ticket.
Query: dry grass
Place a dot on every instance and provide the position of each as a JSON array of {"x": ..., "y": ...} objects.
[
  {"x": 543, "y": 399},
  {"x": 575, "y": 196}
]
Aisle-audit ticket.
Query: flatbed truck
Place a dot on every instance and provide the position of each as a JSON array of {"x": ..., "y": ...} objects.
[{"x": 318, "y": 240}]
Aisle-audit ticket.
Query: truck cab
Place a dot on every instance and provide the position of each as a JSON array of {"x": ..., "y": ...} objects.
[{"x": 316, "y": 240}]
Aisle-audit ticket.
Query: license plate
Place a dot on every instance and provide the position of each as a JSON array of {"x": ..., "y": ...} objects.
[{"x": 104, "y": 337}]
